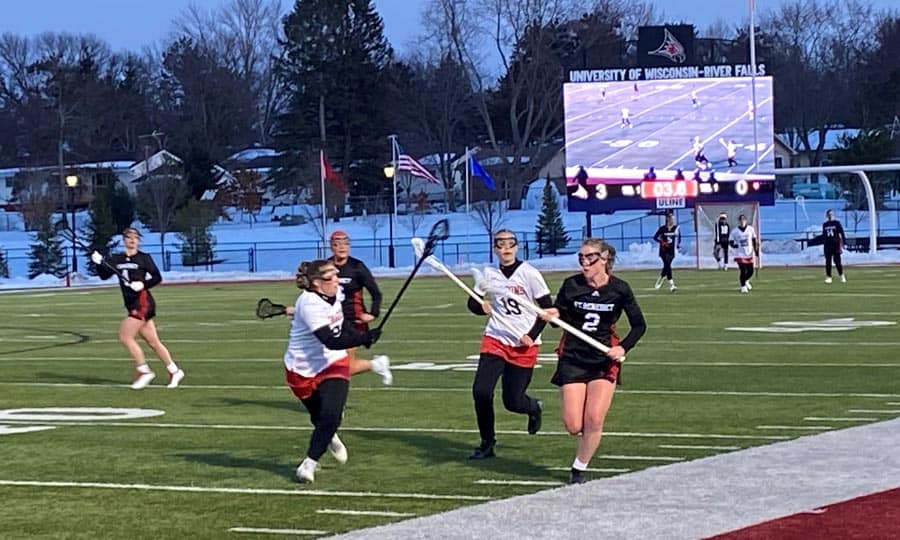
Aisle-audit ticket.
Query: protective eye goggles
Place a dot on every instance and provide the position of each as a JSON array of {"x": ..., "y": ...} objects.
[
  {"x": 590, "y": 259},
  {"x": 505, "y": 243}
]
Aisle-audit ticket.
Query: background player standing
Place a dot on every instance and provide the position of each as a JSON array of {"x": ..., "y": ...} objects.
[
  {"x": 354, "y": 277},
  {"x": 626, "y": 119},
  {"x": 669, "y": 238},
  {"x": 592, "y": 300},
  {"x": 137, "y": 275},
  {"x": 834, "y": 241},
  {"x": 722, "y": 238},
  {"x": 509, "y": 345},
  {"x": 746, "y": 246},
  {"x": 731, "y": 149}
]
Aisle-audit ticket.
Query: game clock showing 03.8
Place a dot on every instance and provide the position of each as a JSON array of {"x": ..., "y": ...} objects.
[{"x": 658, "y": 194}]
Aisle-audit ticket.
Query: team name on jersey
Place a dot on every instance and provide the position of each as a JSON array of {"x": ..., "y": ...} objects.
[
  {"x": 344, "y": 280},
  {"x": 515, "y": 289},
  {"x": 593, "y": 306},
  {"x": 127, "y": 266}
]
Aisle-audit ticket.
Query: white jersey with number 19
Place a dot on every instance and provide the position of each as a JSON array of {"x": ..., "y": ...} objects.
[{"x": 509, "y": 320}]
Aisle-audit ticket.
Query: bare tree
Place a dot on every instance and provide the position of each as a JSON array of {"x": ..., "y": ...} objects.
[
  {"x": 158, "y": 198},
  {"x": 491, "y": 215}
]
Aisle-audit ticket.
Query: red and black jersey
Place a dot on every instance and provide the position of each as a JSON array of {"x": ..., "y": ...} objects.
[
  {"x": 355, "y": 276},
  {"x": 137, "y": 267},
  {"x": 595, "y": 312},
  {"x": 668, "y": 239}
]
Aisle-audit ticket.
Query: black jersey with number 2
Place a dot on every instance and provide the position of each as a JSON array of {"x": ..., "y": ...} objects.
[{"x": 595, "y": 312}]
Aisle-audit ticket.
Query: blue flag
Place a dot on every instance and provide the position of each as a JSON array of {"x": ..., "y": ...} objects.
[{"x": 478, "y": 170}]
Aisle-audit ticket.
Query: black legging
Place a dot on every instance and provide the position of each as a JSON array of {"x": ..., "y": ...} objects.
[
  {"x": 667, "y": 259},
  {"x": 832, "y": 254},
  {"x": 746, "y": 272},
  {"x": 326, "y": 407},
  {"x": 515, "y": 381}
]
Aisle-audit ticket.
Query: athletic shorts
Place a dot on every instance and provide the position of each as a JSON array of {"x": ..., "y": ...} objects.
[
  {"x": 304, "y": 387},
  {"x": 143, "y": 308},
  {"x": 524, "y": 357},
  {"x": 568, "y": 372}
]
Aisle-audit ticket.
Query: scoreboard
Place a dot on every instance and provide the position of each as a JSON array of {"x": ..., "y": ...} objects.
[{"x": 627, "y": 190}]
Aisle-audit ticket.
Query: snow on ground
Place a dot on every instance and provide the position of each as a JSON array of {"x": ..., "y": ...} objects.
[{"x": 280, "y": 249}]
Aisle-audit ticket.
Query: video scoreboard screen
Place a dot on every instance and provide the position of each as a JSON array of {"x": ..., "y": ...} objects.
[{"x": 668, "y": 143}]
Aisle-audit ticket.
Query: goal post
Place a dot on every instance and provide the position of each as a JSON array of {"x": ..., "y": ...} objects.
[{"x": 706, "y": 216}]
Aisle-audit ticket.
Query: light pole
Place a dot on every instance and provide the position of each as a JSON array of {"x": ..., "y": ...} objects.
[
  {"x": 389, "y": 174},
  {"x": 72, "y": 182}
]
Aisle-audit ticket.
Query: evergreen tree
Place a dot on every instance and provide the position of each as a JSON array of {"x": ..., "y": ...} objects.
[
  {"x": 193, "y": 222},
  {"x": 101, "y": 228},
  {"x": 47, "y": 253},
  {"x": 550, "y": 231},
  {"x": 4, "y": 267},
  {"x": 122, "y": 206}
]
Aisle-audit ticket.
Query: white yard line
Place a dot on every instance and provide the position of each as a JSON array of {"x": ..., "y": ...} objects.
[
  {"x": 239, "y": 427},
  {"x": 243, "y": 491},
  {"x": 697, "y": 447},
  {"x": 287, "y": 532},
  {"x": 639, "y": 458},
  {"x": 838, "y": 419},
  {"x": 798, "y": 428},
  {"x": 518, "y": 482},
  {"x": 378, "y": 513},
  {"x": 874, "y": 411},
  {"x": 592, "y": 469}
]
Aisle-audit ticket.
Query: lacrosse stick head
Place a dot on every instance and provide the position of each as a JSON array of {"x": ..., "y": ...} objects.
[
  {"x": 439, "y": 232},
  {"x": 479, "y": 280}
]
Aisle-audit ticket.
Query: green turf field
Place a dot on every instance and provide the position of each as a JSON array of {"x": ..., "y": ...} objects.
[{"x": 222, "y": 457}]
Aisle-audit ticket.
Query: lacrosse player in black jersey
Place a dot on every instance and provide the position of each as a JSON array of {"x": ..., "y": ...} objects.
[
  {"x": 722, "y": 237},
  {"x": 354, "y": 277},
  {"x": 137, "y": 275},
  {"x": 834, "y": 241},
  {"x": 669, "y": 238},
  {"x": 592, "y": 302}
]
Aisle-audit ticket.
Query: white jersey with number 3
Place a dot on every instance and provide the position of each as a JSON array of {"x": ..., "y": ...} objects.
[
  {"x": 509, "y": 319},
  {"x": 744, "y": 241},
  {"x": 305, "y": 354}
]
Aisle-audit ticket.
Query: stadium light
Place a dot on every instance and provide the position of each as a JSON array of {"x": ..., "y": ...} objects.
[
  {"x": 389, "y": 174},
  {"x": 72, "y": 183}
]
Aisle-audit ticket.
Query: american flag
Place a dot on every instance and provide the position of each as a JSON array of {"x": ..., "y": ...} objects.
[{"x": 406, "y": 162}]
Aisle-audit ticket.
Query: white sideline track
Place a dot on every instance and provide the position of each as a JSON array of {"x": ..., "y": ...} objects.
[{"x": 688, "y": 500}]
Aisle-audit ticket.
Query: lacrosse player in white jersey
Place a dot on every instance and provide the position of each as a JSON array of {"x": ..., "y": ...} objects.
[
  {"x": 746, "y": 247},
  {"x": 509, "y": 345},
  {"x": 316, "y": 363}
]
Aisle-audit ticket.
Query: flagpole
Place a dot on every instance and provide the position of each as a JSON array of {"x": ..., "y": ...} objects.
[
  {"x": 393, "y": 215},
  {"x": 753, "y": 80},
  {"x": 467, "y": 203},
  {"x": 322, "y": 180}
]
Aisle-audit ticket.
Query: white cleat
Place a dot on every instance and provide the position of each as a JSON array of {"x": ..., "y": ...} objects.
[
  {"x": 337, "y": 449},
  {"x": 672, "y": 286},
  {"x": 828, "y": 280},
  {"x": 381, "y": 365},
  {"x": 843, "y": 279},
  {"x": 744, "y": 289},
  {"x": 749, "y": 286},
  {"x": 175, "y": 379},
  {"x": 142, "y": 380},
  {"x": 306, "y": 471}
]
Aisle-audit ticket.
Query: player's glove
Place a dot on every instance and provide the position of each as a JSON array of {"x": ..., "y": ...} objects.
[
  {"x": 96, "y": 258},
  {"x": 479, "y": 281},
  {"x": 372, "y": 336},
  {"x": 136, "y": 286},
  {"x": 733, "y": 244}
]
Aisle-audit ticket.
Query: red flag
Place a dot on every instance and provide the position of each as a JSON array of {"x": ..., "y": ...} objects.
[{"x": 329, "y": 174}]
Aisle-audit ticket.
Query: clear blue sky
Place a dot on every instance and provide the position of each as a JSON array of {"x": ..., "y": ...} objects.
[{"x": 130, "y": 24}]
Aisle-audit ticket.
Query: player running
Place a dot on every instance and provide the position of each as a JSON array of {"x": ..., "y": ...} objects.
[
  {"x": 731, "y": 149},
  {"x": 746, "y": 246},
  {"x": 626, "y": 118},
  {"x": 509, "y": 345},
  {"x": 699, "y": 158},
  {"x": 669, "y": 238},
  {"x": 137, "y": 275}
]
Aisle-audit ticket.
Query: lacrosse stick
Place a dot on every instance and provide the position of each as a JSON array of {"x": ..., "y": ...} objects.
[
  {"x": 266, "y": 309},
  {"x": 537, "y": 310},
  {"x": 439, "y": 232},
  {"x": 68, "y": 234}
]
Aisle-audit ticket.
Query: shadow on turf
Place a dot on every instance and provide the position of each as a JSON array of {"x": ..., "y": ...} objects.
[
  {"x": 219, "y": 459},
  {"x": 49, "y": 376},
  {"x": 437, "y": 450},
  {"x": 283, "y": 404}
]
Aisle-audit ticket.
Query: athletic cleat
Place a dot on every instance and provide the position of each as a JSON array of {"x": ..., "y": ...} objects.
[
  {"x": 534, "y": 420},
  {"x": 142, "y": 380},
  {"x": 744, "y": 289},
  {"x": 577, "y": 477},
  {"x": 337, "y": 449},
  {"x": 486, "y": 450},
  {"x": 381, "y": 365},
  {"x": 175, "y": 379},
  {"x": 749, "y": 286},
  {"x": 306, "y": 471},
  {"x": 828, "y": 280},
  {"x": 659, "y": 283},
  {"x": 843, "y": 279}
]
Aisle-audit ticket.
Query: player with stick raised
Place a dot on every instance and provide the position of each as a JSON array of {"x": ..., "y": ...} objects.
[
  {"x": 138, "y": 274},
  {"x": 509, "y": 345},
  {"x": 592, "y": 301}
]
